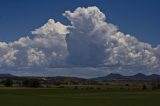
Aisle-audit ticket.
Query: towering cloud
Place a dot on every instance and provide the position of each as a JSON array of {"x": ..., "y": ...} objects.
[
  {"x": 92, "y": 42},
  {"x": 89, "y": 41},
  {"x": 88, "y": 37}
]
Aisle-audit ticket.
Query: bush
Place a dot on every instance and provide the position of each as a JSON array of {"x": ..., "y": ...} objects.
[
  {"x": 98, "y": 88},
  {"x": 75, "y": 87},
  {"x": 126, "y": 84}
]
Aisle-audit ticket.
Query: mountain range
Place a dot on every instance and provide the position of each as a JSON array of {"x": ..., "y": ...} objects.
[
  {"x": 111, "y": 76},
  {"x": 138, "y": 76}
]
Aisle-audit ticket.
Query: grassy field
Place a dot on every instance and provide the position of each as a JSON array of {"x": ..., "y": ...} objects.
[{"x": 70, "y": 97}]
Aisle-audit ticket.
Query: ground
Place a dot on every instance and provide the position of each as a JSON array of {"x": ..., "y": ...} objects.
[{"x": 76, "y": 97}]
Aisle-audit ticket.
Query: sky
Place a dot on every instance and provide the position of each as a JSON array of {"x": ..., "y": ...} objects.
[
  {"x": 35, "y": 33},
  {"x": 137, "y": 17}
]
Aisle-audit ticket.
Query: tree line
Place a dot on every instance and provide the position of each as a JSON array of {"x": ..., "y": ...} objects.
[{"x": 36, "y": 83}]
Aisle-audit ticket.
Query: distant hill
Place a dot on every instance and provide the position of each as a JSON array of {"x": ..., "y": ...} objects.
[
  {"x": 138, "y": 76},
  {"x": 6, "y": 75},
  {"x": 111, "y": 76}
]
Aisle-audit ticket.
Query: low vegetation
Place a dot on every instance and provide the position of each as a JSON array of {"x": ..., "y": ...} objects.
[{"x": 76, "y": 97}]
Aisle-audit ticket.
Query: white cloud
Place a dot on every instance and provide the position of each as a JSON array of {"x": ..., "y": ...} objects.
[
  {"x": 9, "y": 58},
  {"x": 47, "y": 48},
  {"x": 51, "y": 28},
  {"x": 36, "y": 57},
  {"x": 89, "y": 41}
]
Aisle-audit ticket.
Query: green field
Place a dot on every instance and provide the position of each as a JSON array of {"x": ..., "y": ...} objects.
[{"x": 70, "y": 97}]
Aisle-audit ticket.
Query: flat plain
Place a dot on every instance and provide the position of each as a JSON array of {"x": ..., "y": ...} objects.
[{"x": 76, "y": 97}]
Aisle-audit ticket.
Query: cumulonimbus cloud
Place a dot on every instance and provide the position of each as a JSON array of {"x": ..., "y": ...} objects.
[{"x": 88, "y": 41}]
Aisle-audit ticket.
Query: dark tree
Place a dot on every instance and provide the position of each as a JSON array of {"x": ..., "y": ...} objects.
[
  {"x": 8, "y": 83},
  {"x": 144, "y": 87},
  {"x": 32, "y": 83}
]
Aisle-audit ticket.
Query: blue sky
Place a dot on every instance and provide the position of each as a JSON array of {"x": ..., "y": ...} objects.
[{"x": 139, "y": 18}]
